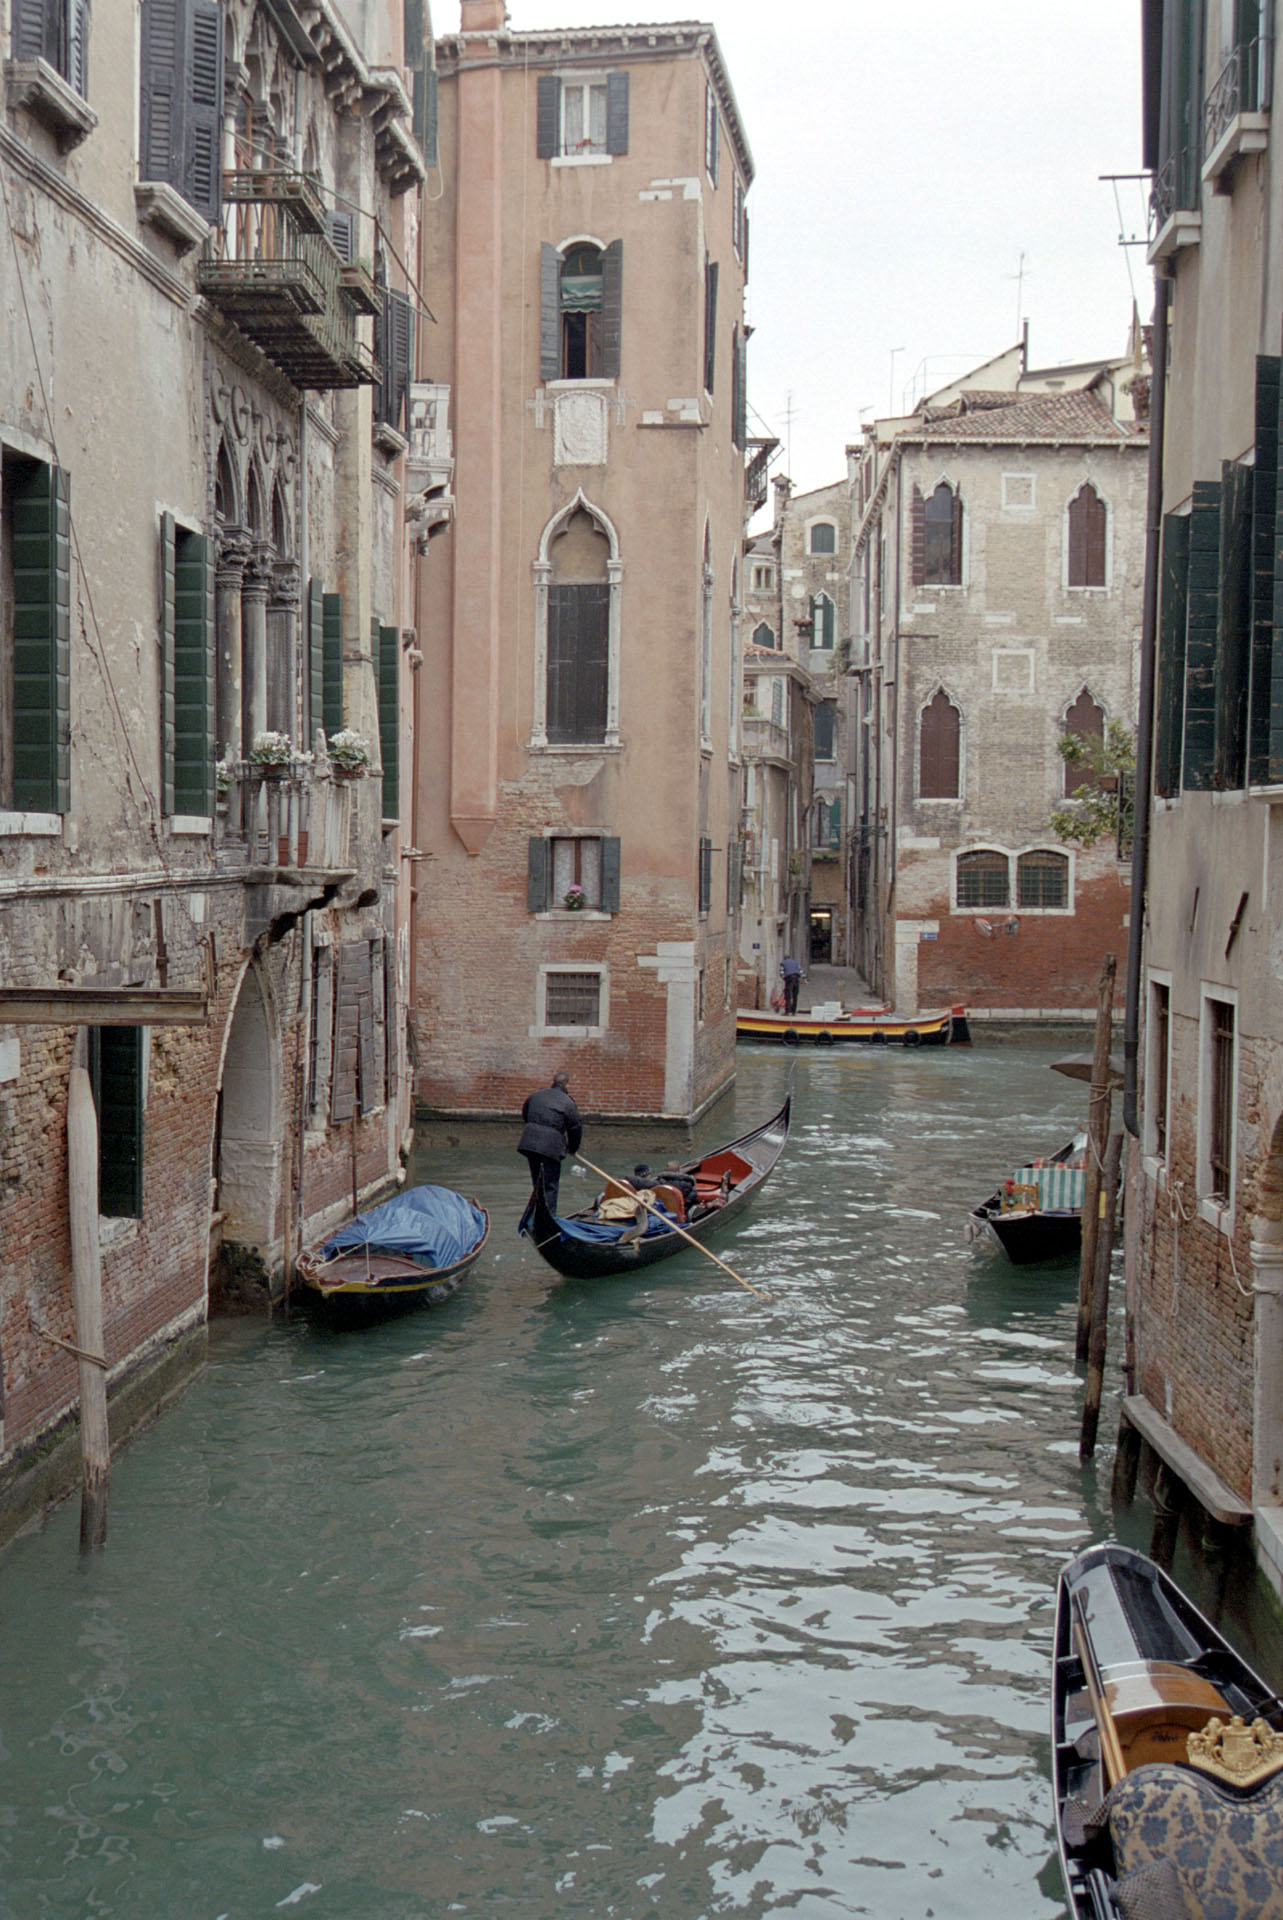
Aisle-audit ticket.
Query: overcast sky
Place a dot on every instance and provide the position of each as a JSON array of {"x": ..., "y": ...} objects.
[{"x": 908, "y": 157}]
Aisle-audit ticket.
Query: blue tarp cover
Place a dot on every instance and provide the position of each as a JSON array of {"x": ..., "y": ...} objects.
[
  {"x": 434, "y": 1225},
  {"x": 606, "y": 1232}
]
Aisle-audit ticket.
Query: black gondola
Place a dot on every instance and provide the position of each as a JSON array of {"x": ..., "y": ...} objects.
[
  {"x": 583, "y": 1247},
  {"x": 1018, "y": 1218},
  {"x": 1167, "y": 1753}
]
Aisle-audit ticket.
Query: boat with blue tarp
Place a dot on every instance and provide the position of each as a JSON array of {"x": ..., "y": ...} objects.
[{"x": 413, "y": 1250}]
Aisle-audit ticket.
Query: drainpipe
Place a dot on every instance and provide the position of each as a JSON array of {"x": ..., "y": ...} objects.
[{"x": 1145, "y": 720}]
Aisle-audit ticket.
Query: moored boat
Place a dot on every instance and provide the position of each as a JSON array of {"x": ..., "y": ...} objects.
[
  {"x": 876, "y": 1026},
  {"x": 1167, "y": 1753},
  {"x": 1037, "y": 1214},
  {"x": 413, "y": 1250},
  {"x": 584, "y": 1246}
]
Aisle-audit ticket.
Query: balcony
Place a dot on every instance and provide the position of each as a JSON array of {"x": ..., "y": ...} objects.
[
  {"x": 755, "y": 488},
  {"x": 270, "y": 269},
  {"x": 1173, "y": 222},
  {"x": 765, "y": 739},
  {"x": 1236, "y": 118},
  {"x": 288, "y": 832}
]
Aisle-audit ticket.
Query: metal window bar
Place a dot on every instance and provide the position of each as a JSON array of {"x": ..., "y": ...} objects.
[
  {"x": 572, "y": 999},
  {"x": 1220, "y": 1145},
  {"x": 1042, "y": 880},
  {"x": 1162, "y": 1040},
  {"x": 983, "y": 881}
]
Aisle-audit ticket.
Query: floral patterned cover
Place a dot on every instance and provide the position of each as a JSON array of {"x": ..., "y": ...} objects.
[{"x": 1226, "y": 1847}]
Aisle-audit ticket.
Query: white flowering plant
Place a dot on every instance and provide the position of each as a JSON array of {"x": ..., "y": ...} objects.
[
  {"x": 349, "y": 751},
  {"x": 271, "y": 750},
  {"x": 223, "y": 775}
]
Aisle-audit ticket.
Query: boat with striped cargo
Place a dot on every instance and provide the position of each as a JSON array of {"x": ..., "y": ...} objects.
[
  {"x": 1037, "y": 1213},
  {"x": 832, "y": 1024}
]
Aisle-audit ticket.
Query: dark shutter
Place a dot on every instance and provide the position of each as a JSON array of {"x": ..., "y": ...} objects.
[
  {"x": 202, "y": 183},
  {"x": 162, "y": 66},
  {"x": 399, "y": 353},
  {"x": 41, "y": 521},
  {"x": 739, "y": 401},
  {"x": 116, "y": 1076},
  {"x": 332, "y": 682},
  {"x": 610, "y": 874},
  {"x": 77, "y": 71},
  {"x": 548, "y": 117},
  {"x": 612, "y": 309},
  {"x": 391, "y": 1021},
  {"x": 1170, "y": 699},
  {"x": 917, "y": 539},
  {"x": 431, "y": 114},
  {"x": 34, "y": 26},
  {"x": 194, "y": 667},
  {"x": 705, "y": 874},
  {"x": 1264, "y": 510},
  {"x": 1087, "y": 523},
  {"x": 389, "y": 659},
  {"x": 710, "y": 324},
  {"x": 315, "y": 705},
  {"x": 578, "y": 617},
  {"x": 1200, "y": 636},
  {"x": 538, "y": 874},
  {"x": 339, "y": 225},
  {"x": 955, "y": 541},
  {"x": 1234, "y": 626},
  {"x": 549, "y": 312},
  {"x": 939, "y": 742},
  {"x": 352, "y": 975},
  {"x": 167, "y": 663},
  {"x": 616, "y": 113}
]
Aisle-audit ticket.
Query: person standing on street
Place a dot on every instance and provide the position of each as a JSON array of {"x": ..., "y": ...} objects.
[
  {"x": 552, "y": 1129},
  {"x": 791, "y": 974}
]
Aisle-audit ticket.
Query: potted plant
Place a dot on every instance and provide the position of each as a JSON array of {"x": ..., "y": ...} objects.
[
  {"x": 350, "y": 755},
  {"x": 575, "y": 899},
  {"x": 271, "y": 753}
]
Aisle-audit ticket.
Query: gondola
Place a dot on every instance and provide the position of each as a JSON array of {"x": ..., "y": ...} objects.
[
  {"x": 414, "y": 1250},
  {"x": 876, "y": 1026},
  {"x": 1167, "y": 1754},
  {"x": 583, "y": 1247},
  {"x": 1038, "y": 1213}
]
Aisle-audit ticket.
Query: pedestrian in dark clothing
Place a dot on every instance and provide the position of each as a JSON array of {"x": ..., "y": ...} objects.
[
  {"x": 552, "y": 1129},
  {"x": 791, "y": 974}
]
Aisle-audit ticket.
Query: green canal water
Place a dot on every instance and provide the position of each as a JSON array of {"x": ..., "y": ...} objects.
[{"x": 644, "y": 1601}]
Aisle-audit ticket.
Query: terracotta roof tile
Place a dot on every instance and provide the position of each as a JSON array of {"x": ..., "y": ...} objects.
[{"x": 1026, "y": 416}]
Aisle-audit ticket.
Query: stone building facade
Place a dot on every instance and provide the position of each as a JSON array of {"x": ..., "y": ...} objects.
[
  {"x": 580, "y": 760},
  {"x": 995, "y": 603},
  {"x": 205, "y": 570}
]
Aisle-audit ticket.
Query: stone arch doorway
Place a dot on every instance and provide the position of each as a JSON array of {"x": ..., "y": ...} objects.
[{"x": 247, "y": 1160}]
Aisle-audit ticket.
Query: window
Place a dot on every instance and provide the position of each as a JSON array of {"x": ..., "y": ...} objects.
[
  {"x": 710, "y": 324},
  {"x": 705, "y": 873},
  {"x": 739, "y": 389},
  {"x": 1087, "y": 721},
  {"x": 116, "y": 1076},
  {"x": 983, "y": 879},
  {"x": 764, "y": 636},
  {"x": 1173, "y": 119},
  {"x": 581, "y": 311},
  {"x": 356, "y": 1080},
  {"x": 739, "y": 225},
  {"x": 822, "y": 619},
  {"x": 1233, "y": 663},
  {"x": 394, "y": 351},
  {"x": 777, "y": 701},
  {"x": 558, "y": 863},
  {"x": 826, "y": 825},
  {"x": 572, "y": 1000},
  {"x": 826, "y": 730},
  {"x": 1087, "y": 524},
  {"x": 578, "y": 634},
  {"x": 1158, "y": 1066},
  {"x": 1042, "y": 879},
  {"x": 581, "y": 116},
  {"x": 936, "y": 555},
  {"x": 181, "y": 100},
  {"x": 712, "y": 143},
  {"x": 35, "y": 637},
  {"x": 1216, "y": 1106},
  {"x": 824, "y": 537},
  {"x": 56, "y": 31},
  {"x": 763, "y": 577},
  {"x": 187, "y": 671},
  {"x": 388, "y": 655},
  {"x": 939, "y": 749}
]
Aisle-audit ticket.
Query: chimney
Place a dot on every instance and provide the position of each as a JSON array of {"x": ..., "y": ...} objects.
[
  {"x": 783, "y": 492},
  {"x": 483, "y": 16}
]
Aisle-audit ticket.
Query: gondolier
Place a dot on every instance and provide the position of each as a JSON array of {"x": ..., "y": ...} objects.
[{"x": 552, "y": 1129}]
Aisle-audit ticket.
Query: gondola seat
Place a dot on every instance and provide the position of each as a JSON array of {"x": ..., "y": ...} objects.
[{"x": 1226, "y": 1847}]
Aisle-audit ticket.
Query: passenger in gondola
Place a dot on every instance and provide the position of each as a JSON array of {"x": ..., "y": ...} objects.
[{"x": 553, "y": 1128}]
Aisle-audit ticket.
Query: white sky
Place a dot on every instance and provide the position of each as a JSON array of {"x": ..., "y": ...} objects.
[{"x": 908, "y": 153}]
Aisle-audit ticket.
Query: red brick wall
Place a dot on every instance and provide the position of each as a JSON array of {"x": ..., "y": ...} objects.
[{"x": 1051, "y": 960}]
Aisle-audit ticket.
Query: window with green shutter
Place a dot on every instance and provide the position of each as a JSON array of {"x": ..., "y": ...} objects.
[
  {"x": 705, "y": 874},
  {"x": 116, "y": 1076},
  {"x": 56, "y": 31},
  {"x": 332, "y": 662},
  {"x": 1233, "y": 626},
  {"x": 1169, "y": 727},
  {"x": 710, "y": 324},
  {"x": 37, "y": 564},
  {"x": 389, "y": 659},
  {"x": 193, "y": 763},
  {"x": 1265, "y": 763},
  {"x": 1202, "y": 620},
  {"x": 181, "y": 99}
]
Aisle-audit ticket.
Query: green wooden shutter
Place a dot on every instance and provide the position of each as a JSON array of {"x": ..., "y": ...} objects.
[
  {"x": 193, "y": 674},
  {"x": 41, "y": 520},
  {"x": 33, "y": 25},
  {"x": 345, "y": 1068},
  {"x": 340, "y": 225},
  {"x": 549, "y": 312},
  {"x": 1200, "y": 636},
  {"x": 401, "y": 358},
  {"x": 167, "y": 663},
  {"x": 163, "y": 57},
  {"x": 428, "y": 117},
  {"x": 538, "y": 873},
  {"x": 202, "y": 183},
  {"x": 548, "y": 117},
  {"x": 1170, "y": 695},
  {"x": 610, "y": 874},
  {"x": 116, "y": 1076},
  {"x": 612, "y": 309},
  {"x": 1264, "y": 511},
  {"x": 616, "y": 113},
  {"x": 389, "y": 659},
  {"x": 315, "y": 661},
  {"x": 332, "y": 678},
  {"x": 1234, "y": 626},
  {"x": 77, "y": 69},
  {"x": 739, "y": 390},
  {"x": 705, "y": 874},
  {"x": 710, "y": 324}
]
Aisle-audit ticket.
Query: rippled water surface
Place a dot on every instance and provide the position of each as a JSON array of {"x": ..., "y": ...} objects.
[{"x": 640, "y": 1599}]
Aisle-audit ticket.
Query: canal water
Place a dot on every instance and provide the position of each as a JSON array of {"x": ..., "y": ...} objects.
[{"x": 650, "y": 1600}]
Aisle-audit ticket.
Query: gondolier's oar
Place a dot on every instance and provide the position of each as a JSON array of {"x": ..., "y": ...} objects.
[{"x": 669, "y": 1222}]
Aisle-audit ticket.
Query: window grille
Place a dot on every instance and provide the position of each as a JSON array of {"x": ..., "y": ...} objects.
[{"x": 572, "y": 999}]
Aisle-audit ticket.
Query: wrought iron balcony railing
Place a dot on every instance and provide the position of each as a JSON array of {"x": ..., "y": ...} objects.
[{"x": 1240, "y": 87}]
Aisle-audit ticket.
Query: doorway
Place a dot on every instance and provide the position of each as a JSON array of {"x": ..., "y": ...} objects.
[{"x": 821, "y": 936}]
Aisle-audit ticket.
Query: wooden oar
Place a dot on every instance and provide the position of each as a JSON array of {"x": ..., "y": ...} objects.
[{"x": 673, "y": 1226}]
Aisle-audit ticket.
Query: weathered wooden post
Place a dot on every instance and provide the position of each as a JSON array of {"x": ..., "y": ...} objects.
[
  {"x": 1100, "y": 1299},
  {"x": 1098, "y": 1115},
  {"x": 86, "y": 1286}
]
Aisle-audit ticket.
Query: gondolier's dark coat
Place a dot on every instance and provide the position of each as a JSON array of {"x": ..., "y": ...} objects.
[{"x": 552, "y": 1124}]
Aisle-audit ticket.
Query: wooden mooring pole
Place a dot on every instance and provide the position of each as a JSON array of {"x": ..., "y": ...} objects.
[
  {"x": 1098, "y": 1116},
  {"x": 1100, "y": 1298},
  {"x": 86, "y": 1287}
]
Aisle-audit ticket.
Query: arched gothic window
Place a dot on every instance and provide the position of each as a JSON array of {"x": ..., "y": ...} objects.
[
  {"x": 937, "y": 538},
  {"x": 1087, "y": 720},
  {"x": 1088, "y": 524},
  {"x": 939, "y": 749}
]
